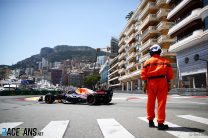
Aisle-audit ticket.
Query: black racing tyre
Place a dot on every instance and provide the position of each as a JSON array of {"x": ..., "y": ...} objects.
[
  {"x": 91, "y": 99},
  {"x": 107, "y": 99},
  {"x": 49, "y": 98}
]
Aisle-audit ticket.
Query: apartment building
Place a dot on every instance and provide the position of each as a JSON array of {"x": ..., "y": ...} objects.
[
  {"x": 148, "y": 25},
  {"x": 191, "y": 31},
  {"x": 128, "y": 59},
  {"x": 113, "y": 75}
]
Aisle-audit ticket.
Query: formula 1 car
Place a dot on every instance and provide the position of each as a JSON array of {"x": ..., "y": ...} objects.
[{"x": 80, "y": 95}]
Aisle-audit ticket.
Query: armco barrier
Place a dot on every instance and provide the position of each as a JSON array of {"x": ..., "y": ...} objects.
[
  {"x": 190, "y": 91},
  {"x": 19, "y": 92}
]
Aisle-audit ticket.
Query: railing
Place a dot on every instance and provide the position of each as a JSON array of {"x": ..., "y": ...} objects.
[
  {"x": 148, "y": 43},
  {"x": 144, "y": 58},
  {"x": 150, "y": 29},
  {"x": 150, "y": 17},
  {"x": 130, "y": 56},
  {"x": 164, "y": 25},
  {"x": 150, "y": 5},
  {"x": 162, "y": 12},
  {"x": 160, "y": 2}
]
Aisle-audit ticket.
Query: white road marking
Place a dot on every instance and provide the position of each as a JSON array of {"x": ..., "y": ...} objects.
[
  {"x": 112, "y": 129},
  {"x": 9, "y": 125},
  {"x": 55, "y": 129},
  {"x": 195, "y": 118},
  {"x": 178, "y": 131},
  {"x": 117, "y": 98}
]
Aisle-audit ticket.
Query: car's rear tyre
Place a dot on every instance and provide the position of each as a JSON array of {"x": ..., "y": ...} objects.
[
  {"x": 49, "y": 98},
  {"x": 107, "y": 100},
  {"x": 91, "y": 99}
]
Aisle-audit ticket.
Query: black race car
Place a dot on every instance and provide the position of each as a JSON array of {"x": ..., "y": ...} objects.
[{"x": 80, "y": 95}]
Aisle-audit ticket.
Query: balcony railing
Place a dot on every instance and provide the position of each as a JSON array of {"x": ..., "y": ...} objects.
[
  {"x": 131, "y": 38},
  {"x": 130, "y": 56},
  {"x": 149, "y": 18},
  {"x": 159, "y": 2},
  {"x": 121, "y": 48},
  {"x": 164, "y": 25},
  {"x": 131, "y": 30},
  {"x": 150, "y": 5},
  {"x": 121, "y": 56},
  {"x": 130, "y": 48},
  {"x": 130, "y": 65},
  {"x": 121, "y": 63},
  {"x": 149, "y": 30},
  {"x": 193, "y": 16},
  {"x": 163, "y": 13},
  {"x": 165, "y": 39},
  {"x": 181, "y": 5},
  {"x": 197, "y": 37},
  {"x": 144, "y": 58},
  {"x": 148, "y": 43},
  {"x": 121, "y": 41},
  {"x": 121, "y": 71}
]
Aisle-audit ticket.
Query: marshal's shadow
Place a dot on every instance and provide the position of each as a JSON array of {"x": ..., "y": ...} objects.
[{"x": 185, "y": 129}]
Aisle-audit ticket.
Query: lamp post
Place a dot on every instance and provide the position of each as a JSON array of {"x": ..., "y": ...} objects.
[{"x": 196, "y": 58}]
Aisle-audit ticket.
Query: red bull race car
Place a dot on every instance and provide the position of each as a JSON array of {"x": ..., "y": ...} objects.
[{"x": 80, "y": 95}]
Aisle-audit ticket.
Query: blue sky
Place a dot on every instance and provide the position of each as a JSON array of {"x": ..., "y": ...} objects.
[{"x": 28, "y": 25}]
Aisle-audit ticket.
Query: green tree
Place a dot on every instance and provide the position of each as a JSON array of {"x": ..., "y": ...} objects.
[
  {"x": 91, "y": 80},
  {"x": 129, "y": 15}
]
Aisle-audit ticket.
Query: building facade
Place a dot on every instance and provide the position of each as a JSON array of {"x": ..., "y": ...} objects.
[
  {"x": 104, "y": 75},
  {"x": 147, "y": 26},
  {"x": 113, "y": 82},
  {"x": 191, "y": 32},
  {"x": 128, "y": 63}
]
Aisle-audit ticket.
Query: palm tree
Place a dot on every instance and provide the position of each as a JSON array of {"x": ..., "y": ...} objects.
[{"x": 129, "y": 15}]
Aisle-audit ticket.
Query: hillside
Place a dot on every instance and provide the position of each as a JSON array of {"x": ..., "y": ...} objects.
[{"x": 60, "y": 53}]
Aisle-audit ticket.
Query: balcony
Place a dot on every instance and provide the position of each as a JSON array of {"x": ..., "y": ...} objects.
[
  {"x": 113, "y": 73},
  {"x": 165, "y": 39},
  {"x": 164, "y": 25},
  {"x": 163, "y": 13},
  {"x": 144, "y": 58},
  {"x": 147, "y": 44},
  {"x": 121, "y": 48},
  {"x": 121, "y": 71},
  {"x": 131, "y": 38},
  {"x": 132, "y": 55},
  {"x": 180, "y": 6},
  {"x": 121, "y": 63},
  {"x": 150, "y": 6},
  {"x": 160, "y": 2},
  {"x": 196, "y": 14},
  {"x": 121, "y": 56},
  {"x": 131, "y": 30},
  {"x": 113, "y": 78},
  {"x": 151, "y": 30},
  {"x": 197, "y": 37},
  {"x": 130, "y": 65},
  {"x": 114, "y": 66},
  {"x": 122, "y": 42},
  {"x": 147, "y": 20},
  {"x": 131, "y": 48},
  {"x": 132, "y": 75}
]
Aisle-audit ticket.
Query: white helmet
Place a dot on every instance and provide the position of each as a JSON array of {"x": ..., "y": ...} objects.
[{"x": 155, "y": 49}]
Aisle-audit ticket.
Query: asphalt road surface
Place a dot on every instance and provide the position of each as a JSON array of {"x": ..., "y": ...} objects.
[{"x": 124, "y": 117}]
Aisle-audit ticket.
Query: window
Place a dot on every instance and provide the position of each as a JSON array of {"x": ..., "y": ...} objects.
[
  {"x": 205, "y": 2},
  {"x": 206, "y": 22}
]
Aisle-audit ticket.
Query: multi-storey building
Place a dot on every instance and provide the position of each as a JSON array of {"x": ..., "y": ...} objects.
[
  {"x": 154, "y": 28},
  {"x": 191, "y": 31},
  {"x": 104, "y": 75},
  {"x": 113, "y": 75},
  {"x": 147, "y": 26},
  {"x": 129, "y": 67}
]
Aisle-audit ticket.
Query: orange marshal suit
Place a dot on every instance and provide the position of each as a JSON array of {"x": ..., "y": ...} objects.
[{"x": 157, "y": 71}]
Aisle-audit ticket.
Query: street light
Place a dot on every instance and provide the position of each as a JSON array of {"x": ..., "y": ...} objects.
[{"x": 196, "y": 58}]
